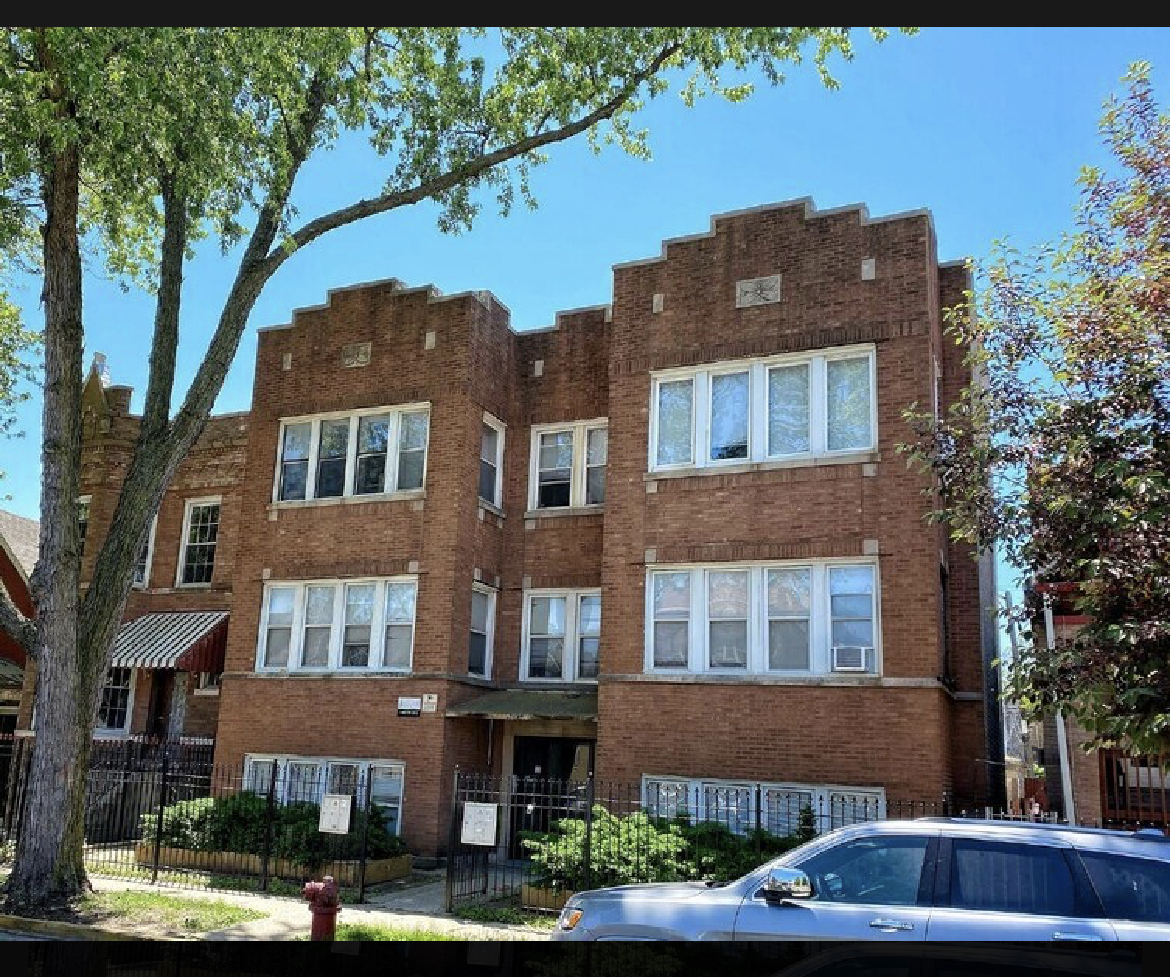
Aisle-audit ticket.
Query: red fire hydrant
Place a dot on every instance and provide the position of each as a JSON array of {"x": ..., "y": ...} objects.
[{"x": 324, "y": 904}]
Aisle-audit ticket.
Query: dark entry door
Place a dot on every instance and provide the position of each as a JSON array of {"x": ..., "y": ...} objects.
[
  {"x": 159, "y": 719},
  {"x": 550, "y": 774},
  {"x": 7, "y": 749}
]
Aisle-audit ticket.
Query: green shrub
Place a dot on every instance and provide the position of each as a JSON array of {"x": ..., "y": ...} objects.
[
  {"x": 239, "y": 823},
  {"x": 638, "y": 848}
]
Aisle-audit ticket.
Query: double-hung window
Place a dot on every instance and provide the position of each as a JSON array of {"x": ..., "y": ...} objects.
[
  {"x": 562, "y": 636},
  {"x": 199, "y": 542},
  {"x": 815, "y": 617},
  {"x": 83, "y": 504},
  {"x": 491, "y": 462},
  {"x": 115, "y": 702},
  {"x": 808, "y": 405},
  {"x": 141, "y": 577},
  {"x": 357, "y": 625},
  {"x": 369, "y": 453},
  {"x": 568, "y": 465},
  {"x": 483, "y": 613}
]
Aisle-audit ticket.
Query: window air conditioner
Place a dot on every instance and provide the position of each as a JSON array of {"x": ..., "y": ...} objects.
[{"x": 850, "y": 658}]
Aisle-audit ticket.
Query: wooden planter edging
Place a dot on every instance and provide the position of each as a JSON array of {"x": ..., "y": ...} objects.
[
  {"x": 536, "y": 897},
  {"x": 345, "y": 873}
]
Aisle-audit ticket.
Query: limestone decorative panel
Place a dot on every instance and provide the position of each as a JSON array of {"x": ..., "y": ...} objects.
[{"x": 757, "y": 291}]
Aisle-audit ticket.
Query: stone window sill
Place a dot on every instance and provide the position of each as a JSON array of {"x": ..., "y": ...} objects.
[
  {"x": 581, "y": 510},
  {"x": 850, "y": 458},
  {"x": 410, "y": 495}
]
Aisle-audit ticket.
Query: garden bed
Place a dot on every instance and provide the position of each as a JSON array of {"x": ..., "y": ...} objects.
[
  {"x": 345, "y": 873},
  {"x": 546, "y": 899}
]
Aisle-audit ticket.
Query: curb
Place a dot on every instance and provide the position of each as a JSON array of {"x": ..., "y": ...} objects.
[{"x": 74, "y": 931}]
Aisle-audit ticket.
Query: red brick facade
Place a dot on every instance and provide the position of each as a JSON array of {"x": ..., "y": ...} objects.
[{"x": 915, "y": 729}]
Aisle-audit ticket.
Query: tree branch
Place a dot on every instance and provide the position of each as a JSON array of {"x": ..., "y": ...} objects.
[
  {"x": 461, "y": 174},
  {"x": 14, "y": 624},
  {"x": 165, "y": 343}
]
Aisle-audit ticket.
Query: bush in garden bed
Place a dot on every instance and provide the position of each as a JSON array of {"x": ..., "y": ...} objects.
[
  {"x": 237, "y": 823},
  {"x": 639, "y": 848}
]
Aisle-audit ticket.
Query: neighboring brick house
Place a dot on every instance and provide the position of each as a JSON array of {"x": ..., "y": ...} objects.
[
  {"x": 164, "y": 677},
  {"x": 667, "y": 540}
]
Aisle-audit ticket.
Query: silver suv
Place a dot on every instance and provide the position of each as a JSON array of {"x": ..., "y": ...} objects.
[{"x": 931, "y": 879}]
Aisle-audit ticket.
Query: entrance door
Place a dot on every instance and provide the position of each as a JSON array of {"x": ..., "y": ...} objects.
[
  {"x": 550, "y": 774},
  {"x": 159, "y": 719},
  {"x": 7, "y": 749}
]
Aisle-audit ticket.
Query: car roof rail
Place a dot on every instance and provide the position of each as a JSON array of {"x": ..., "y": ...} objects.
[{"x": 1151, "y": 834}]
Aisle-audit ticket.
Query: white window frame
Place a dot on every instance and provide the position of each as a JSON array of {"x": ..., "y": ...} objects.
[
  {"x": 145, "y": 584},
  {"x": 757, "y": 370},
  {"x": 207, "y": 683},
  {"x": 490, "y": 593},
  {"x": 820, "y": 652},
  {"x": 390, "y": 476},
  {"x": 490, "y": 420},
  {"x": 580, "y": 431},
  {"x": 280, "y": 762},
  {"x": 188, "y": 506},
  {"x": 87, "y": 501},
  {"x": 572, "y": 634},
  {"x": 822, "y": 797},
  {"x": 103, "y": 732},
  {"x": 336, "y": 635}
]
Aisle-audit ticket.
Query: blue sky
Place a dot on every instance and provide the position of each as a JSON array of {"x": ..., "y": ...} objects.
[{"x": 987, "y": 128}]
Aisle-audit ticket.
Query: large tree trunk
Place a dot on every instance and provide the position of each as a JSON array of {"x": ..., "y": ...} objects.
[{"x": 49, "y": 863}]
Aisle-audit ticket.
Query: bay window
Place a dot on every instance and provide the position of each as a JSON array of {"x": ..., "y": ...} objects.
[
  {"x": 355, "y": 626},
  {"x": 562, "y": 636},
  {"x": 568, "y": 465},
  {"x": 359, "y": 454},
  {"x": 800, "y": 618},
  {"x": 807, "y": 405}
]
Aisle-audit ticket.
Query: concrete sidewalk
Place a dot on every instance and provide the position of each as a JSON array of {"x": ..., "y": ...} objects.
[{"x": 415, "y": 907}]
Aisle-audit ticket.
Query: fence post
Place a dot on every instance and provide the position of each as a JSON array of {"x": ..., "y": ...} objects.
[
  {"x": 588, "y": 849},
  {"x": 452, "y": 841},
  {"x": 158, "y": 827},
  {"x": 759, "y": 843},
  {"x": 365, "y": 841},
  {"x": 268, "y": 820}
]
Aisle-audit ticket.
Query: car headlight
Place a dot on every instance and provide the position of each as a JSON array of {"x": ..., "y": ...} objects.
[{"x": 570, "y": 917}]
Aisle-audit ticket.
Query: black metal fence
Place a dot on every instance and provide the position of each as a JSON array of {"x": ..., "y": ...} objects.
[
  {"x": 173, "y": 821},
  {"x": 555, "y": 837}
]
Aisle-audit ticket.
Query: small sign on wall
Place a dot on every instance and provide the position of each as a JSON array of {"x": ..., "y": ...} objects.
[
  {"x": 430, "y": 702},
  {"x": 335, "y": 813},
  {"x": 410, "y": 705},
  {"x": 480, "y": 822}
]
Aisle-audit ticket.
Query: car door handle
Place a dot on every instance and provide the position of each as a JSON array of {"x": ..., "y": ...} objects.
[
  {"x": 1081, "y": 937},
  {"x": 891, "y": 925}
]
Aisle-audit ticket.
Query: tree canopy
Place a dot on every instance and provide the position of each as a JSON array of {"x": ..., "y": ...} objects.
[{"x": 1059, "y": 454}]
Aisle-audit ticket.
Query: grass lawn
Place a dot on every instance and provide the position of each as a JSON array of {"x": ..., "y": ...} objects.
[
  {"x": 167, "y": 912},
  {"x": 505, "y": 913},
  {"x": 387, "y": 934}
]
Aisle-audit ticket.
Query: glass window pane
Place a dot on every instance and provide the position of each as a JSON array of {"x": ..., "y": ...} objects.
[
  {"x": 413, "y": 433},
  {"x": 727, "y": 593},
  {"x": 343, "y": 778},
  {"x": 889, "y": 865},
  {"x": 589, "y": 664},
  {"x": 487, "y": 482},
  {"x": 359, "y": 615},
  {"x": 728, "y": 647},
  {"x": 590, "y": 615},
  {"x": 545, "y": 657},
  {"x": 675, "y": 412},
  {"x": 788, "y": 645},
  {"x": 303, "y": 783},
  {"x": 853, "y": 605},
  {"x": 788, "y": 409},
  {"x": 294, "y": 476},
  {"x": 260, "y": 775},
  {"x": 672, "y": 595},
  {"x": 479, "y": 610},
  {"x": 1130, "y": 888},
  {"x": 554, "y": 490},
  {"x": 789, "y": 593},
  {"x": 400, "y": 602},
  {"x": 316, "y": 650},
  {"x": 556, "y": 450},
  {"x": 853, "y": 633},
  {"x": 280, "y": 606},
  {"x": 371, "y": 474},
  {"x": 296, "y": 442},
  {"x": 319, "y": 606},
  {"x": 373, "y": 435},
  {"x": 410, "y": 469},
  {"x": 331, "y": 458},
  {"x": 477, "y": 653},
  {"x": 1004, "y": 877},
  {"x": 671, "y": 644},
  {"x": 782, "y": 809},
  {"x": 848, "y": 404},
  {"x": 597, "y": 447},
  {"x": 851, "y": 580},
  {"x": 729, "y": 416},
  {"x": 399, "y": 638},
  {"x": 547, "y": 616},
  {"x": 276, "y": 647},
  {"x": 386, "y": 792},
  {"x": 595, "y": 485},
  {"x": 489, "y": 444}
]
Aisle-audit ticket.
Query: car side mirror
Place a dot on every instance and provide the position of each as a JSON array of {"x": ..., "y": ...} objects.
[{"x": 787, "y": 883}]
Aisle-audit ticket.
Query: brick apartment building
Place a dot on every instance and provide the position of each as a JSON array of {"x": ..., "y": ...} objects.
[{"x": 668, "y": 540}]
